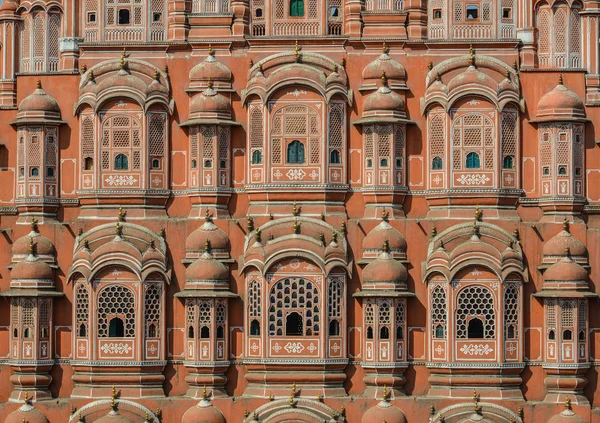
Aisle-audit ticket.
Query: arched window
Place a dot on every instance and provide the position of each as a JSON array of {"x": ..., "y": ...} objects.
[
  {"x": 256, "y": 157},
  {"x": 294, "y": 326},
  {"x": 551, "y": 335},
  {"x": 82, "y": 308},
  {"x": 384, "y": 332},
  {"x": 567, "y": 335},
  {"x": 220, "y": 332},
  {"x": 124, "y": 17},
  {"x": 191, "y": 332},
  {"x": 205, "y": 332},
  {"x": 194, "y": 164},
  {"x": 562, "y": 170},
  {"x": 399, "y": 333},
  {"x": 27, "y": 333},
  {"x": 334, "y": 328},
  {"x": 295, "y": 152},
  {"x": 296, "y": 7},
  {"x": 436, "y": 163},
  {"x": 475, "y": 329},
  {"x": 334, "y": 157},
  {"x": 255, "y": 328},
  {"x": 369, "y": 332},
  {"x": 82, "y": 330},
  {"x": 472, "y": 161},
  {"x": 116, "y": 328},
  {"x": 475, "y": 306},
  {"x": 121, "y": 162},
  {"x": 507, "y": 162},
  {"x": 50, "y": 172},
  {"x": 35, "y": 171}
]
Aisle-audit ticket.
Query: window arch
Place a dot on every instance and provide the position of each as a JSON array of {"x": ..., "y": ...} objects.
[
  {"x": 121, "y": 162},
  {"x": 40, "y": 32},
  {"x": 437, "y": 163},
  {"x": 474, "y": 303},
  {"x": 116, "y": 301},
  {"x": 472, "y": 161},
  {"x": 295, "y": 152},
  {"x": 334, "y": 157},
  {"x": 116, "y": 328},
  {"x": 256, "y": 157},
  {"x": 291, "y": 299}
]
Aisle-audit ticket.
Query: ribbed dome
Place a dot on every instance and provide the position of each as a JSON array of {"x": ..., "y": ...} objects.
[
  {"x": 207, "y": 232},
  {"x": 384, "y": 270},
  {"x": 27, "y": 413},
  {"x": 560, "y": 103},
  {"x": 206, "y": 268},
  {"x": 39, "y": 101},
  {"x": 203, "y": 412},
  {"x": 31, "y": 269},
  {"x": 384, "y": 63},
  {"x": 566, "y": 270},
  {"x": 384, "y": 412},
  {"x": 567, "y": 416},
  {"x": 42, "y": 245},
  {"x": 384, "y": 99},
  {"x": 122, "y": 79},
  {"x": 210, "y": 102},
  {"x": 472, "y": 76},
  {"x": 381, "y": 233},
  {"x": 210, "y": 69},
  {"x": 557, "y": 245}
]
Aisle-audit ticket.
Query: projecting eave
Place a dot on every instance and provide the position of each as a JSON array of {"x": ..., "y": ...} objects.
[
  {"x": 380, "y": 293},
  {"x": 560, "y": 293},
  {"x": 17, "y": 292},
  {"x": 197, "y": 122},
  {"x": 205, "y": 293},
  {"x": 375, "y": 119}
]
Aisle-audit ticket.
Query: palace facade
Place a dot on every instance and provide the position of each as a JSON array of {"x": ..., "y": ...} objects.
[{"x": 299, "y": 211}]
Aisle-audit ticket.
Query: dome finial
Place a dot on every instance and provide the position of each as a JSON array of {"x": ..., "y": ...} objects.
[
  {"x": 211, "y": 52},
  {"x": 471, "y": 55},
  {"x": 121, "y": 216},
  {"x": 113, "y": 397},
  {"x": 438, "y": 77},
  {"x": 86, "y": 244},
  {"x": 334, "y": 237},
  {"x": 384, "y": 80},
  {"x": 385, "y": 391},
  {"x": 430, "y": 65},
  {"x": 475, "y": 228},
  {"x": 258, "y": 234},
  {"x": 296, "y": 228},
  {"x": 568, "y": 252},
  {"x": 566, "y": 224},
  {"x": 38, "y": 84},
  {"x": 33, "y": 224},
  {"x": 295, "y": 209},
  {"x": 568, "y": 403},
  {"x": 207, "y": 216},
  {"x": 204, "y": 393},
  {"x": 26, "y": 397},
  {"x": 386, "y": 247},
  {"x": 83, "y": 68},
  {"x": 477, "y": 213},
  {"x": 91, "y": 75},
  {"x": 560, "y": 79},
  {"x": 249, "y": 224},
  {"x": 433, "y": 232},
  {"x": 297, "y": 52},
  {"x": 118, "y": 229},
  {"x": 385, "y": 48},
  {"x": 207, "y": 246},
  {"x": 31, "y": 250},
  {"x": 210, "y": 83},
  {"x": 385, "y": 215}
]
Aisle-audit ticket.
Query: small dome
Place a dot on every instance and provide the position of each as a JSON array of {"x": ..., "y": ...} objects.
[
  {"x": 206, "y": 268},
  {"x": 384, "y": 412},
  {"x": 384, "y": 270},
  {"x": 381, "y": 233},
  {"x": 567, "y": 416},
  {"x": 113, "y": 417},
  {"x": 26, "y": 413},
  {"x": 218, "y": 239},
  {"x": 384, "y": 63},
  {"x": 437, "y": 87},
  {"x": 384, "y": 99},
  {"x": 566, "y": 270},
  {"x": 203, "y": 412},
  {"x": 210, "y": 69},
  {"x": 335, "y": 78},
  {"x": 39, "y": 101},
  {"x": 560, "y": 103},
  {"x": 472, "y": 76},
  {"x": 31, "y": 269},
  {"x": 42, "y": 245},
  {"x": 122, "y": 79},
  {"x": 476, "y": 418},
  {"x": 558, "y": 244},
  {"x": 210, "y": 102},
  {"x": 8, "y": 6},
  {"x": 506, "y": 84}
]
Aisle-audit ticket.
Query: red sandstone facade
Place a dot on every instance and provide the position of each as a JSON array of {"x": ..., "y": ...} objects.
[{"x": 299, "y": 211}]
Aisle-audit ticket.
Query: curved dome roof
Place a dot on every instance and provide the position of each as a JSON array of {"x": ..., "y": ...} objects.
[
  {"x": 381, "y": 233},
  {"x": 26, "y": 413},
  {"x": 42, "y": 245},
  {"x": 384, "y": 99},
  {"x": 384, "y": 63},
  {"x": 39, "y": 101},
  {"x": 210, "y": 232},
  {"x": 210, "y": 102},
  {"x": 472, "y": 76},
  {"x": 559, "y": 243},
  {"x": 384, "y": 412},
  {"x": 8, "y": 6},
  {"x": 122, "y": 79},
  {"x": 384, "y": 270},
  {"x": 211, "y": 69},
  {"x": 113, "y": 417},
  {"x": 206, "y": 268},
  {"x": 567, "y": 416},
  {"x": 566, "y": 270},
  {"x": 203, "y": 412},
  {"x": 31, "y": 269},
  {"x": 560, "y": 103}
]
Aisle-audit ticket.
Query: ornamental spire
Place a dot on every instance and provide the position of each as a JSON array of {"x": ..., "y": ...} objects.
[
  {"x": 560, "y": 79},
  {"x": 386, "y": 247},
  {"x": 38, "y": 84},
  {"x": 471, "y": 55},
  {"x": 385, "y": 48},
  {"x": 566, "y": 224},
  {"x": 384, "y": 80}
]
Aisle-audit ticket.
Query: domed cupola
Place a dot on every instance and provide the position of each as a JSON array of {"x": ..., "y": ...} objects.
[
  {"x": 38, "y": 107},
  {"x": 26, "y": 413},
  {"x": 384, "y": 64},
  {"x": 566, "y": 273},
  {"x": 44, "y": 248},
  {"x": 384, "y": 411},
  {"x": 554, "y": 249},
  {"x": 560, "y": 104},
  {"x": 216, "y": 237},
  {"x": 567, "y": 415},
  {"x": 31, "y": 272},
  {"x": 206, "y": 272},
  {"x": 373, "y": 242},
  {"x": 209, "y": 107},
  {"x": 383, "y": 106},
  {"x": 113, "y": 415},
  {"x": 203, "y": 412},
  {"x": 210, "y": 70},
  {"x": 8, "y": 7},
  {"x": 384, "y": 272}
]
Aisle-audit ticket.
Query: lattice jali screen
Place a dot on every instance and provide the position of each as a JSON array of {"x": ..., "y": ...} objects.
[
  {"x": 336, "y": 131},
  {"x": 156, "y": 133},
  {"x": 27, "y": 314},
  {"x": 400, "y": 314},
  {"x": 82, "y": 309},
  {"x": 221, "y": 314},
  {"x": 509, "y": 133},
  {"x": 399, "y": 143},
  {"x": 550, "y": 308},
  {"x": 45, "y": 316},
  {"x": 254, "y": 299},
  {"x": 582, "y": 318},
  {"x": 204, "y": 317},
  {"x": 559, "y": 36},
  {"x": 567, "y": 313},
  {"x": 256, "y": 126},
  {"x": 437, "y": 137},
  {"x": 51, "y": 148},
  {"x": 297, "y": 295},
  {"x": 369, "y": 148},
  {"x": 116, "y": 301},
  {"x": 511, "y": 308},
  {"x": 475, "y": 301},
  {"x": 190, "y": 312},
  {"x": 335, "y": 292},
  {"x": 439, "y": 309},
  {"x": 384, "y": 315},
  {"x": 121, "y": 134},
  {"x": 153, "y": 309},
  {"x": 369, "y": 314},
  {"x": 87, "y": 137},
  {"x": 384, "y": 135},
  {"x": 471, "y": 133}
]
